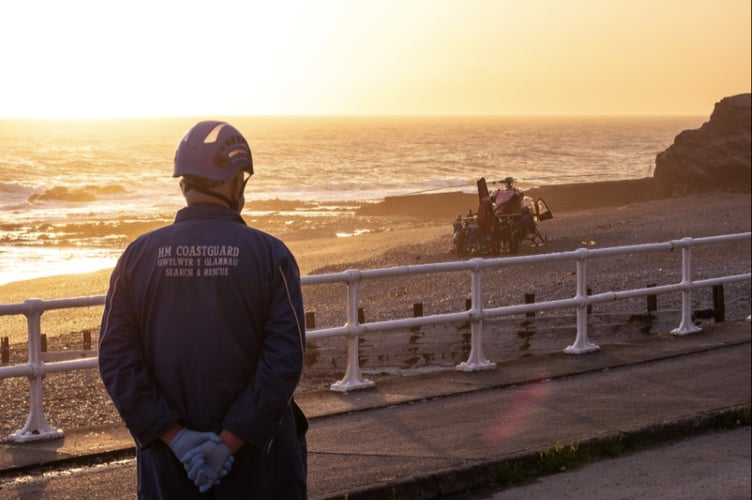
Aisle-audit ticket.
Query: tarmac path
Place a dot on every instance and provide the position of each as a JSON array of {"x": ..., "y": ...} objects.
[
  {"x": 426, "y": 438},
  {"x": 705, "y": 467},
  {"x": 710, "y": 466}
]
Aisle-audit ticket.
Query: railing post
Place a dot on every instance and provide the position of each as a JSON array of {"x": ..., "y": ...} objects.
[
  {"x": 476, "y": 361},
  {"x": 581, "y": 343},
  {"x": 87, "y": 340},
  {"x": 5, "y": 350},
  {"x": 310, "y": 320},
  {"x": 36, "y": 427},
  {"x": 530, "y": 299},
  {"x": 686, "y": 326},
  {"x": 652, "y": 300},
  {"x": 719, "y": 305},
  {"x": 352, "y": 379},
  {"x": 417, "y": 313}
]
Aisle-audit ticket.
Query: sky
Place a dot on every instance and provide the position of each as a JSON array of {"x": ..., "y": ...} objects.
[{"x": 132, "y": 58}]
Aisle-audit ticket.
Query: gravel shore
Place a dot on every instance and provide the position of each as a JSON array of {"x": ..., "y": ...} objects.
[{"x": 76, "y": 399}]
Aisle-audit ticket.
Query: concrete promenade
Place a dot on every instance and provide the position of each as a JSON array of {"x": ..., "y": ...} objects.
[{"x": 448, "y": 432}]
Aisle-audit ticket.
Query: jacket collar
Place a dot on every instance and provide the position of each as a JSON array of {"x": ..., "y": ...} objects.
[{"x": 208, "y": 211}]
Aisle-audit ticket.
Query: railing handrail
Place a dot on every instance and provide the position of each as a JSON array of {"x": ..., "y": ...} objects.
[{"x": 35, "y": 368}]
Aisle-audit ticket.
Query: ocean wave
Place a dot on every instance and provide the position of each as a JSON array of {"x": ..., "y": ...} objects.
[
  {"x": 86, "y": 193},
  {"x": 13, "y": 187},
  {"x": 13, "y": 196}
]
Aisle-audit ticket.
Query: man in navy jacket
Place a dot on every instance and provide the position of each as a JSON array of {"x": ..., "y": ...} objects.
[{"x": 202, "y": 340}]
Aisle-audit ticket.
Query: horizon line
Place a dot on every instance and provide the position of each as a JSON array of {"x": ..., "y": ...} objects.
[{"x": 283, "y": 115}]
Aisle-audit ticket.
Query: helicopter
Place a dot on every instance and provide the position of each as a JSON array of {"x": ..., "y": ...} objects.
[{"x": 505, "y": 219}]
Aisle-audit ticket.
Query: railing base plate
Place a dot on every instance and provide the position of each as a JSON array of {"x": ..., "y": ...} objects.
[
  {"x": 475, "y": 367},
  {"x": 343, "y": 386},
  {"x": 22, "y": 436},
  {"x": 582, "y": 349}
]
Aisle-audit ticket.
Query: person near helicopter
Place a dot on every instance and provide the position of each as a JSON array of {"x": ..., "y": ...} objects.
[
  {"x": 511, "y": 203},
  {"x": 507, "y": 200}
]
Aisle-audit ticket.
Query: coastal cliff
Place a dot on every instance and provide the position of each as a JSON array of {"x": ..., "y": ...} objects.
[{"x": 714, "y": 157}]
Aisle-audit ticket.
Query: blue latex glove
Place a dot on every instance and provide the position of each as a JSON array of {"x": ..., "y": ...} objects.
[
  {"x": 200, "y": 476},
  {"x": 187, "y": 440},
  {"x": 208, "y": 463}
]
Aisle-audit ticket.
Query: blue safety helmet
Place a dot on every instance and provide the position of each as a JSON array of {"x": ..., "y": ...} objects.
[{"x": 212, "y": 150}]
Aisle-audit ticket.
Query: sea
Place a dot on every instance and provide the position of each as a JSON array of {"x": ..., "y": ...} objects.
[{"x": 68, "y": 188}]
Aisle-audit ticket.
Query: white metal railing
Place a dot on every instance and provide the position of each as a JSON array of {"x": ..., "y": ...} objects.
[{"x": 35, "y": 368}]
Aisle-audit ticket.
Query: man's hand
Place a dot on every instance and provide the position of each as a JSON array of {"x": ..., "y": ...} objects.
[
  {"x": 187, "y": 446},
  {"x": 208, "y": 463},
  {"x": 186, "y": 440}
]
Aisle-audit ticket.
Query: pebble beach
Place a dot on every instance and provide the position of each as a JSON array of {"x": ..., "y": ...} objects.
[{"x": 75, "y": 399}]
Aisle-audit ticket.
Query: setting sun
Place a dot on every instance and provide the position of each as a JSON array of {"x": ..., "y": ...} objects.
[{"x": 84, "y": 59}]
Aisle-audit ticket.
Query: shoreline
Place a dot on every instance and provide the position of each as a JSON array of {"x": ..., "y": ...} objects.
[{"x": 403, "y": 221}]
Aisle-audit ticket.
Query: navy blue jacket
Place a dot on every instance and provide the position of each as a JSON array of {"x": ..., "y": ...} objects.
[{"x": 203, "y": 325}]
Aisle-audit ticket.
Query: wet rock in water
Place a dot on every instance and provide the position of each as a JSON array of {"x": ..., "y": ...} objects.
[{"x": 61, "y": 193}]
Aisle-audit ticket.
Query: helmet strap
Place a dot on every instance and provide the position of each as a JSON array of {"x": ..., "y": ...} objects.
[{"x": 234, "y": 204}]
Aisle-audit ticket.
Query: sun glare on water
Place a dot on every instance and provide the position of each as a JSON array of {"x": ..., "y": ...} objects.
[
  {"x": 357, "y": 232},
  {"x": 55, "y": 262}
]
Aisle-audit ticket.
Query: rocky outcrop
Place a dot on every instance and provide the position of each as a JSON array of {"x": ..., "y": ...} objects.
[{"x": 717, "y": 156}]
